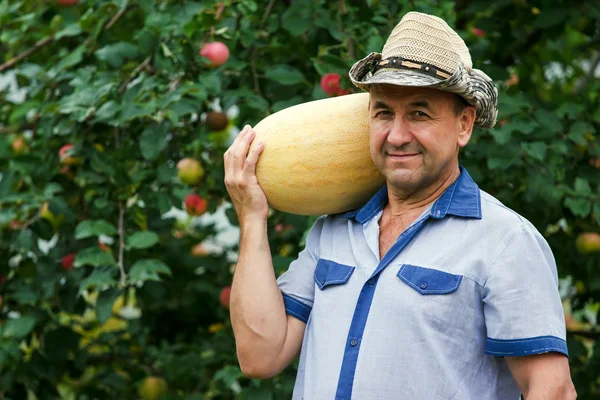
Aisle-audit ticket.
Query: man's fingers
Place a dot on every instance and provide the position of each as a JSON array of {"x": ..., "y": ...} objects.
[
  {"x": 230, "y": 155},
  {"x": 252, "y": 159},
  {"x": 241, "y": 150}
]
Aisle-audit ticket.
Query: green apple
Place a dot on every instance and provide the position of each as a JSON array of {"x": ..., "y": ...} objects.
[
  {"x": 588, "y": 243},
  {"x": 190, "y": 171}
]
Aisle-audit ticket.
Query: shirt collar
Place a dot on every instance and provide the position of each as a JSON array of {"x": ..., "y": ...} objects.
[{"x": 461, "y": 199}]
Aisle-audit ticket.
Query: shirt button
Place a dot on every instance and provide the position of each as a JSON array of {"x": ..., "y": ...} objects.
[
  {"x": 353, "y": 342},
  {"x": 423, "y": 285},
  {"x": 371, "y": 282}
]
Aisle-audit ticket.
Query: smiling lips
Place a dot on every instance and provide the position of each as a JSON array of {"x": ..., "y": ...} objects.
[{"x": 402, "y": 157}]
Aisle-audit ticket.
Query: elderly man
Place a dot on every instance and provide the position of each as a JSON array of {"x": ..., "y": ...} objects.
[{"x": 433, "y": 289}]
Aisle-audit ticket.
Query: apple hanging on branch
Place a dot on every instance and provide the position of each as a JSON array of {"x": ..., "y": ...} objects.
[
  {"x": 216, "y": 52},
  {"x": 588, "y": 243},
  {"x": 195, "y": 205},
  {"x": 190, "y": 171},
  {"x": 330, "y": 83}
]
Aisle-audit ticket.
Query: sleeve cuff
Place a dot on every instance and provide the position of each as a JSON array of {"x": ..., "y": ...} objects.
[
  {"x": 528, "y": 346},
  {"x": 296, "y": 308}
]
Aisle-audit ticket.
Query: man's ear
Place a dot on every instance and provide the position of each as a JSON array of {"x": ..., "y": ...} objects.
[{"x": 466, "y": 122}]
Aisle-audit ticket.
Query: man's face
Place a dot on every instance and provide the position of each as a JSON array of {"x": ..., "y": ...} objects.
[{"x": 416, "y": 134}]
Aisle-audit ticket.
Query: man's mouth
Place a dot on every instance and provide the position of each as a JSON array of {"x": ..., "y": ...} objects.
[{"x": 402, "y": 156}]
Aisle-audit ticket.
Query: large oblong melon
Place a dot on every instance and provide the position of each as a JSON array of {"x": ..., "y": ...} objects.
[{"x": 316, "y": 157}]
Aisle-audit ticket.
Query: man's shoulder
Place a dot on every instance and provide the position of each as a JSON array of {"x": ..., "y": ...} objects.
[{"x": 499, "y": 216}]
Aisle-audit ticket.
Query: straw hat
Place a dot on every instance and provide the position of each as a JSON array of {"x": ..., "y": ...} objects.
[{"x": 423, "y": 50}]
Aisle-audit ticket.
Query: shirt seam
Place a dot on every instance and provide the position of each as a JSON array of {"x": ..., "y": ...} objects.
[{"x": 512, "y": 236}]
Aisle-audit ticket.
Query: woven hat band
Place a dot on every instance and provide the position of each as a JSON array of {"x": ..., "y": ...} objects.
[{"x": 402, "y": 63}]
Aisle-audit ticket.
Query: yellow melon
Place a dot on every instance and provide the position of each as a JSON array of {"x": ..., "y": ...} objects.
[{"x": 316, "y": 158}]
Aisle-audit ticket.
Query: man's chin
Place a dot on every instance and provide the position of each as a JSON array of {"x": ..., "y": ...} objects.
[{"x": 403, "y": 179}]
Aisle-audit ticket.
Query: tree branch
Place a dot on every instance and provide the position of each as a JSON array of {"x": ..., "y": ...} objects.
[
  {"x": 116, "y": 17},
  {"x": 266, "y": 14},
  {"x": 39, "y": 44},
  {"x": 583, "y": 83},
  {"x": 253, "y": 51},
  {"x": 254, "y": 71},
  {"x": 122, "y": 242},
  {"x": 121, "y": 261},
  {"x": 136, "y": 71}
]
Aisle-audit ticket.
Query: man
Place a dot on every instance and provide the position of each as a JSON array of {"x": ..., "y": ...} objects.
[{"x": 431, "y": 290}]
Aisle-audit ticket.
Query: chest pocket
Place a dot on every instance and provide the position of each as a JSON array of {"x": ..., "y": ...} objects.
[
  {"x": 329, "y": 273},
  {"x": 429, "y": 281}
]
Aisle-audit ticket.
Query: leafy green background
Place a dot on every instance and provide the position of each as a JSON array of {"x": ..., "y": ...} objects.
[{"x": 123, "y": 82}]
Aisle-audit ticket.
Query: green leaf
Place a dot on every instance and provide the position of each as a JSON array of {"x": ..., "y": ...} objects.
[
  {"x": 501, "y": 135},
  {"x": 105, "y": 302},
  {"x": 19, "y": 327},
  {"x": 582, "y": 186},
  {"x": 98, "y": 279},
  {"x": 131, "y": 111},
  {"x": 148, "y": 270},
  {"x": 69, "y": 30},
  {"x": 579, "y": 131},
  {"x": 549, "y": 121},
  {"x": 107, "y": 111},
  {"x": 536, "y": 150},
  {"x": 116, "y": 54},
  {"x": 296, "y": 21},
  {"x": 579, "y": 207},
  {"x": 93, "y": 256},
  {"x": 285, "y": 74},
  {"x": 597, "y": 213},
  {"x": 89, "y": 228},
  {"x": 74, "y": 58},
  {"x": 142, "y": 240},
  {"x": 154, "y": 140}
]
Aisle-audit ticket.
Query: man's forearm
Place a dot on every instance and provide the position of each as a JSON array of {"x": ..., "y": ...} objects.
[{"x": 257, "y": 310}]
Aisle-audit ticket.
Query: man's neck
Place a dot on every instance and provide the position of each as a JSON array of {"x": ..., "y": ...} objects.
[{"x": 400, "y": 203}]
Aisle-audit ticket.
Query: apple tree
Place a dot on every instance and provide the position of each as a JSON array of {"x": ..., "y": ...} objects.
[{"x": 118, "y": 242}]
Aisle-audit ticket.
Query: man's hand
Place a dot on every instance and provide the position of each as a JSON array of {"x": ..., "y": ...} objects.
[{"x": 248, "y": 198}]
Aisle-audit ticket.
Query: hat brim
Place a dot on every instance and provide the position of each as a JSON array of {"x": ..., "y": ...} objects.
[
  {"x": 399, "y": 78},
  {"x": 474, "y": 86}
]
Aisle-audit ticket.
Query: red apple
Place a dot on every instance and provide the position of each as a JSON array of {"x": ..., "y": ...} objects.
[
  {"x": 195, "y": 205},
  {"x": 65, "y": 155},
  {"x": 216, "y": 52},
  {"x": 330, "y": 83},
  {"x": 478, "y": 32},
  {"x": 67, "y": 262},
  {"x": 103, "y": 247},
  {"x": 19, "y": 145},
  {"x": 2, "y": 279},
  {"x": 66, "y": 2},
  {"x": 595, "y": 162},
  {"x": 224, "y": 296},
  {"x": 199, "y": 250},
  {"x": 190, "y": 171}
]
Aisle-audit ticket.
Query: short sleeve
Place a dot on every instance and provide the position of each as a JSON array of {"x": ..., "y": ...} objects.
[
  {"x": 522, "y": 305},
  {"x": 297, "y": 283}
]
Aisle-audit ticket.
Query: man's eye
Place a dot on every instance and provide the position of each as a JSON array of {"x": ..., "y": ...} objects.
[
  {"x": 383, "y": 113},
  {"x": 420, "y": 114}
]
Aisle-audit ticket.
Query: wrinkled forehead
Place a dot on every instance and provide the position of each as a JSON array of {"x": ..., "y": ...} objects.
[{"x": 401, "y": 94}]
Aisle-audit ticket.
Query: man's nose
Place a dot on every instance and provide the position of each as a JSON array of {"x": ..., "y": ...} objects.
[{"x": 400, "y": 133}]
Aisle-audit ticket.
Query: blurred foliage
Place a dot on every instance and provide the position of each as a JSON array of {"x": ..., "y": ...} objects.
[{"x": 124, "y": 83}]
